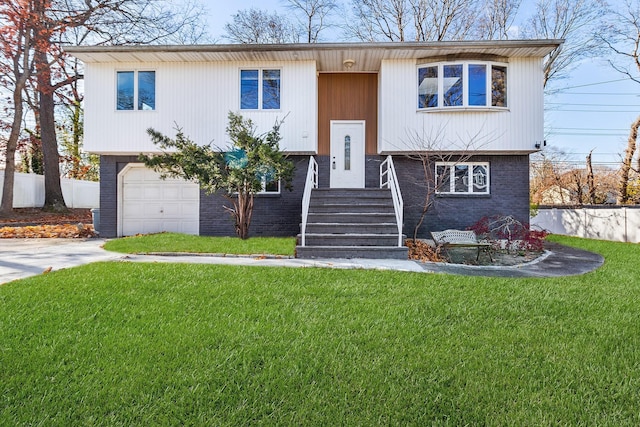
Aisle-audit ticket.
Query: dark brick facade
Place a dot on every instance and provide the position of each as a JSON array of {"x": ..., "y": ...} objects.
[
  {"x": 279, "y": 215},
  {"x": 509, "y": 195},
  {"x": 110, "y": 166},
  {"x": 273, "y": 214}
]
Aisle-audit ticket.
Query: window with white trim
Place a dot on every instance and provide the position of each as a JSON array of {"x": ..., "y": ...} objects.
[
  {"x": 467, "y": 84},
  {"x": 135, "y": 90},
  {"x": 462, "y": 178},
  {"x": 271, "y": 186},
  {"x": 259, "y": 89}
]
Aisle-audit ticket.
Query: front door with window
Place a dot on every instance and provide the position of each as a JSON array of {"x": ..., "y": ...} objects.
[{"x": 347, "y": 154}]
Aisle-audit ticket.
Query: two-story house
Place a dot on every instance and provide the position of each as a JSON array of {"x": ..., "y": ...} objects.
[{"x": 476, "y": 105}]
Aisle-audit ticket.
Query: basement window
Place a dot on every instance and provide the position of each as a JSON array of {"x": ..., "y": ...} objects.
[{"x": 462, "y": 178}]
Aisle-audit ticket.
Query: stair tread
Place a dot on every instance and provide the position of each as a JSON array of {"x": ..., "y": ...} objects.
[
  {"x": 351, "y": 213},
  {"x": 353, "y": 234},
  {"x": 352, "y": 247},
  {"x": 342, "y": 224},
  {"x": 363, "y": 220}
]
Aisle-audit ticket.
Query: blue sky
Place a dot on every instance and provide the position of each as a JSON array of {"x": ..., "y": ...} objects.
[{"x": 592, "y": 110}]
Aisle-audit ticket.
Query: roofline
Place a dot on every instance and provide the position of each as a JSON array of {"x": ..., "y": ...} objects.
[{"x": 551, "y": 44}]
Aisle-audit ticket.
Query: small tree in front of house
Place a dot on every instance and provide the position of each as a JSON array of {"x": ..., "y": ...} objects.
[
  {"x": 432, "y": 148},
  {"x": 238, "y": 174}
]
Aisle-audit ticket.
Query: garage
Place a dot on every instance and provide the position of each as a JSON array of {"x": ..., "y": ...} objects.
[{"x": 149, "y": 204}]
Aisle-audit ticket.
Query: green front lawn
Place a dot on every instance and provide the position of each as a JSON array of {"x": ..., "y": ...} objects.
[
  {"x": 174, "y": 242},
  {"x": 169, "y": 344}
]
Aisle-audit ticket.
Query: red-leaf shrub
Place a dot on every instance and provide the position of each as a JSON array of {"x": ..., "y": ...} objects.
[{"x": 518, "y": 236}]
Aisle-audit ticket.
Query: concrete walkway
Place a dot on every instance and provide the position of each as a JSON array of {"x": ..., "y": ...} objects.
[{"x": 20, "y": 258}]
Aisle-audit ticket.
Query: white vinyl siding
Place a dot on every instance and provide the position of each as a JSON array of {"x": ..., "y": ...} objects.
[
  {"x": 403, "y": 128},
  {"x": 197, "y": 97}
]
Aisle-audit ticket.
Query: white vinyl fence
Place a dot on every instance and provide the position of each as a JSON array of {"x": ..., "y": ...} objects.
[
  {"x": 615, "y": 223},
  {"x": 28, "y": 191}
]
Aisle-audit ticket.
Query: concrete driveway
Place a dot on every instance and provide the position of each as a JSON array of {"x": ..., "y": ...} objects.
[{"x": 20, "y": 258}]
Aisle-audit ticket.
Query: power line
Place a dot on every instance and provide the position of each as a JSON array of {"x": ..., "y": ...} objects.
[
  {"x": 603, "y": 93},
  {"x": 597, "y": 129},
  {"x": 585, "y": 134},
  {"x": 593, "y": 105},
  {"x": 595, "y": 153},
  {"x": 592, "y": 84},
  {"x": 596, "y": 111}
]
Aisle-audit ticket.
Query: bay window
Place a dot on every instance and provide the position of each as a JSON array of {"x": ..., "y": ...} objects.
[{"x": 465, "y": 84}]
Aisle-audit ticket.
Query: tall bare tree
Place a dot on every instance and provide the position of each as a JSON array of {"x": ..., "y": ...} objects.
[
  {"x": 412, "y": 20},
  {"x": 621, "y": 35},
  {"x": 626, "y": 169},
  {"x": 439, "y": 20},
  {"x": 16, "y": 66},
  {"x": 314, "y": 16},
  {"x": 576, "y": 22},
  {"x": 495, "y": 19},
  {"x": 44, "y": 24},
  {"x": 255, "y": 26},
  {"x": 591, "y": 183},
  {"x": 380, "y": 20}
]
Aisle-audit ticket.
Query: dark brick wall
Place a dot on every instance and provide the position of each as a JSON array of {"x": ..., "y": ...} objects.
[
  {"x": 372, "y": 171},
  {"x": 324, "y": 169},
  {"x": 279, "y": 215},
  {"x": 110, "y": 166},
  {"x": 509, "y": 177},
  {"x": 273, "y": 214}
]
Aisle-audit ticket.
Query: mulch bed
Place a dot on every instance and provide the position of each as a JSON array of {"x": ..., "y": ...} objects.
[
  {"x": 34, "y": 223},
  {"x": 422, "y": 251}
]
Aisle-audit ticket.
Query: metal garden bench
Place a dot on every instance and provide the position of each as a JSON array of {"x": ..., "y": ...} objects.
[{"x": 458, "y": 238}]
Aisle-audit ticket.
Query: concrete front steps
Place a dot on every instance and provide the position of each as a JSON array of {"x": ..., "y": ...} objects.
[{"x": 351, "y": 223}]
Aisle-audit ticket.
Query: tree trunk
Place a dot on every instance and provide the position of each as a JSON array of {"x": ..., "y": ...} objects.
[
  {"x": 625, "y": 169},
  {"x": 6, "y": 205},
  {"x": 577, "y": 179},
  {"x": 427, "y": 165},
  {"x": 590, "y": 180},
  {"x": 242, "y": 212},
  {"x": 75, "y": 147},
  {"x": 53, "y": 198}
]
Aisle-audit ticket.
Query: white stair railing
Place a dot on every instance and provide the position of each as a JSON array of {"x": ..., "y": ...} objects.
[
  {"x": 311, "y": 182},
  {"x": 389, "y": 179}
]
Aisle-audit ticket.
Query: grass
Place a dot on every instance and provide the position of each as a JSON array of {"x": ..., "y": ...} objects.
[
  {"x": 168, "y": 344},
  {"x": 174, "y": 242}
]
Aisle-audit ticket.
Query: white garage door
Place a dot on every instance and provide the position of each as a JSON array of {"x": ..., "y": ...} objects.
[{"x": 152, "y": 205}]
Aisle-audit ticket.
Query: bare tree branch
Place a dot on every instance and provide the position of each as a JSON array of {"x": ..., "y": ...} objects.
[
  {"x": 575, "y": 21},
  {"x": 314, "y": 16},
  {"x": 255, "y": 26}
]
